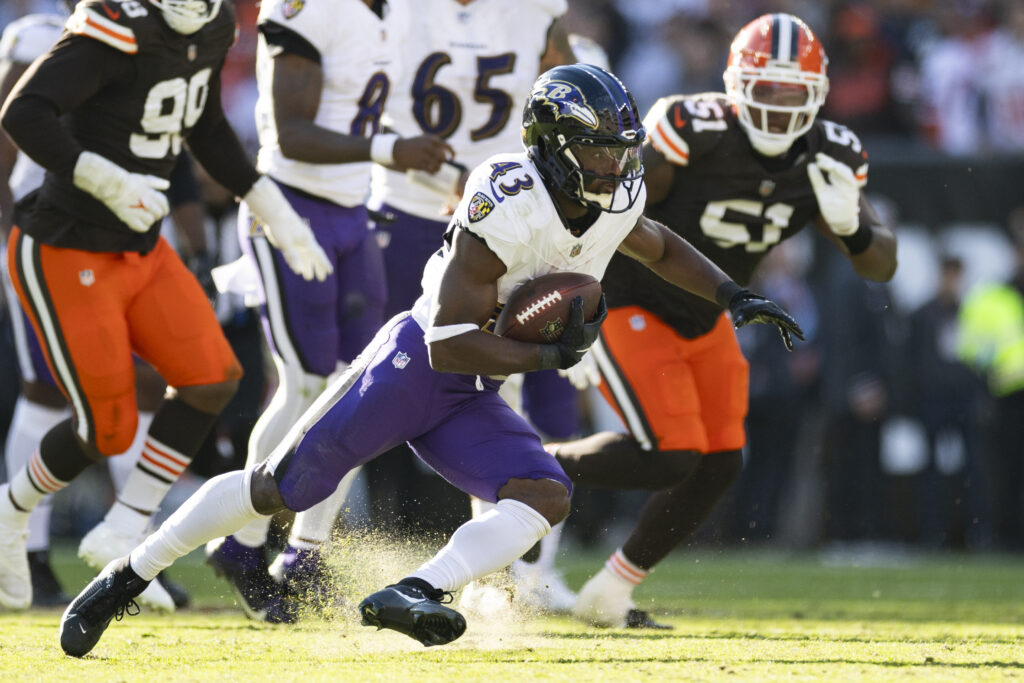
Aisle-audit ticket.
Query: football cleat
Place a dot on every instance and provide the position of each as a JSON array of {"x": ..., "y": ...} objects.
[
  {"x": 245, "y": 568},
  {"x": 542, "y": 588},
  {"x": 104, "y": 544},
  {"x": 637, "y": 618},
  {"x": 109, "y": 596},
  {"x": 46, "y": 589},
  {"x": 302, "y": 575},
  {"x": 416, "y": 612},
  {"x": 15, "y": 576}
]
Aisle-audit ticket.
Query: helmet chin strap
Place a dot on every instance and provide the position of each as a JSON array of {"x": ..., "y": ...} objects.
[{"x": 769, "y": 146}]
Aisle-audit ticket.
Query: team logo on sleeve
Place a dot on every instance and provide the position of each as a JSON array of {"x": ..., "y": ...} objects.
[
  {"x": 292, "y": 7},
  {"x": 567, "y": 101},
  {"x": 480, "y": 206}
]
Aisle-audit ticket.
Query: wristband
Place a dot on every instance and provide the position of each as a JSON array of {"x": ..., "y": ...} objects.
[
  {"x": 725, "y": 293},
  {"x": 549, "y": 357},
  {"x": 382, "y": 148},
  {"x": 859, "y": 241}
]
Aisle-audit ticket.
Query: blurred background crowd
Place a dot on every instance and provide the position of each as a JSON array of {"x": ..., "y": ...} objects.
[{"x": 899, "y": 420}]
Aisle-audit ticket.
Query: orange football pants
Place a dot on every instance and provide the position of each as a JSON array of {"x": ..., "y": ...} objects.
[
  {"x": 91, "y": 310},
  {"x": 671, "y": 392}
]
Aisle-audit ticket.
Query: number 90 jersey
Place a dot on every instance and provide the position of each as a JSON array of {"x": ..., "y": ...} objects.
[
  {"x": 466, "y": 75},
  {"x": 728, "y": 201}
]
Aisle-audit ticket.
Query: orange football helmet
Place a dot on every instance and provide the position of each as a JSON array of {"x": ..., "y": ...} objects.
[{"x": 776, "y": 80}]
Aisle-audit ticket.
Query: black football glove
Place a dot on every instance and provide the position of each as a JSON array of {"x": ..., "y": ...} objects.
[
  {"x": 745, "y": 307},
  {"x": 577, "y": 337}
]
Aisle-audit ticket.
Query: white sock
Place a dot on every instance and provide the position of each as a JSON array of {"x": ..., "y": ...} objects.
[
  {"x": 39, "y": 526},
  {"x": 32, "y": 483},
  {"x": 222, "y": 505},
  {"x": 9, "y": 514},
  {"x": 121, "y": 466},
  {"x": 158, "y": 467},
  {"x": 621, "y": 567},
  {"x": 485, "y": 544},
  {"x": 29, "y": 425},
  {"x": 295, "y": 392},
  {"x": 313, "y": 526},
  {"x": 479, "y": 507},
  {"x": 549, "y": 547}
]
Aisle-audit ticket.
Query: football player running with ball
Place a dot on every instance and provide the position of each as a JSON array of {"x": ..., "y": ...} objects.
[
  {"x": 734, "y": 174},
  {"x": 106, "y": 112},
  {"x": 430, "y": 377}
]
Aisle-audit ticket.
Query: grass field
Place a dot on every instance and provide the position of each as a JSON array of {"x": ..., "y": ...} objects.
[{"x": 737, "y": 616}]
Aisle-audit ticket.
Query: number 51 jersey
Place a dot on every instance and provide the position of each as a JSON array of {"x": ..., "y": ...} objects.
[
  {"x": 152, "y": 87},
  {"x": 727, "y": 200}
]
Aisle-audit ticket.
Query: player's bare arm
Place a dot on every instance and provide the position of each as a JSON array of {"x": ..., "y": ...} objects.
[
  {"x": 297, "y": 85},
  {"x": 659, "y": 173},
  {"x": 673, "y": 258},
  {"x": 467, "y": 294},
  {"x": 878, "y": 261},
  {"x": 558, "y": 50}
]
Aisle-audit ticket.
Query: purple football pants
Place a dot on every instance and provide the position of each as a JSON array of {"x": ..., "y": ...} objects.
[
  {"x": 313, "y": 324},
  {"x": 456, "y": 424}
]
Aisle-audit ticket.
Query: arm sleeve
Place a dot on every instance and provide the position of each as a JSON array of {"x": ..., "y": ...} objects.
[
  {"x": 71, "y": 73},
  {"x": 215, "y": 145}
]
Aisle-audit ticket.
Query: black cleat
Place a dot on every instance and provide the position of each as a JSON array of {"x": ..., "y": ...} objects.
[
  {"x": 46, "y": 589},
  {"x": 637, "y": 618},
  {"x": 415, "y": 612},
  {"x": 109, "y": 596},
  {"x": 246, "y": 569}
]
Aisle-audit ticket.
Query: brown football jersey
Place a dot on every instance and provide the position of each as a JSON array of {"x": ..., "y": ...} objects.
[
  {"x": 152, "y": 88},
  {"x": 729, "y": 202}
]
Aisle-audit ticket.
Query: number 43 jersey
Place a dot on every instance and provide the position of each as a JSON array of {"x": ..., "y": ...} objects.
[
  {"x": 727, "y": 200},
  {"x": 148, "y": 89}
]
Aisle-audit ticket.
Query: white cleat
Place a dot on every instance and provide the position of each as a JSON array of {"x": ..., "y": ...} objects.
[
  {"x": 542, "y": 588},
  {"x": 598, "y": 605},
  {"x": 104, "y": 544},
  {"x": 15, "y": 580}
]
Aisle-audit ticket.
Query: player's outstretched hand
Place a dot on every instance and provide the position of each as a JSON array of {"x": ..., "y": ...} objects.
[
  {"x": 745, "y": 307},
  {"x": 839, "y": 196},
  {"x": 136, "y": 199},
  {"x": 578, "y": 335},
  {"x": 421, "y": 153},
  {"x": 287, "y": 231}
]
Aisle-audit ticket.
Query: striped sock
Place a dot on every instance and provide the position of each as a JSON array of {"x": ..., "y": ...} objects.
[
  {"x": 33, "y": 483},
  {"x": 158, "y": 468},
  {"x": 619, "y": 565}
]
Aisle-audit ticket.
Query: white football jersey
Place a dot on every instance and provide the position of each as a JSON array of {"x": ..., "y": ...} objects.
[
  {"x": 358, "y": 52},
  {"x": 507, "y": 205},
  {"x": 466, "y": 75},
  {"x": 24, "y": 40}
]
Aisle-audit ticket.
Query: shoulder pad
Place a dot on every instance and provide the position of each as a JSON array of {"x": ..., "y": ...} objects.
[
  {"x": 552, "y": 8},
  {"x": 500, "y": 198},
  {"x": 107, "y": 21},
  {"x": 684, "y": 126},
  {"x": 842, "y": 144}
]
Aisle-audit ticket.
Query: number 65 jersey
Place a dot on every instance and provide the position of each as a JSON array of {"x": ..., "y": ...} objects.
[
  {"x": 727, "y": 200},
  {"x": 148, "y": 88}
]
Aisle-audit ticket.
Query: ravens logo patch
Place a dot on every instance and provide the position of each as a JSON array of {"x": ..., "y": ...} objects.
[
  {"x": 480, "y": 206},
  {"x": 292, "y": 7}
]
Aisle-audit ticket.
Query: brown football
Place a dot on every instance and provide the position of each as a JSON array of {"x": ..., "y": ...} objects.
[{"x": 537, "y": 310}]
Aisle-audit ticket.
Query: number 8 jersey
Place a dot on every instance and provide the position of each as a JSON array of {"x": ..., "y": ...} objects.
[{"x": 727, "y": 200}]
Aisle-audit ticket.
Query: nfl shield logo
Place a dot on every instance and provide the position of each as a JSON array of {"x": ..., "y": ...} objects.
[
  {"x": 86, "y": 277},
  {"x": 400, "y": 360},
  {"x": 576, "y": 249},
  {"x": 292, "y": 7},
  {"x": 766, "y": 188},
  {"x": 192, "y": 51},
  {"x": 637, "y": 322}
]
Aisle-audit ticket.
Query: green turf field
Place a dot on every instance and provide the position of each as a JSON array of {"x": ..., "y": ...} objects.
[{"x": 738, "y": 616}]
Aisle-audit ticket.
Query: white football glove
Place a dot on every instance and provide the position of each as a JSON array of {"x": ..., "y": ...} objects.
[
  {"x": 134, "y": 198},
  {"x": 287, "y": 231},
  {"x": 839, "y": 196},
  {"x": 584, "y": 374}
]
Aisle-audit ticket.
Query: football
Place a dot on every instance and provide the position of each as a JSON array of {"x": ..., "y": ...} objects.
[{"x": 538, "y": 309}]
